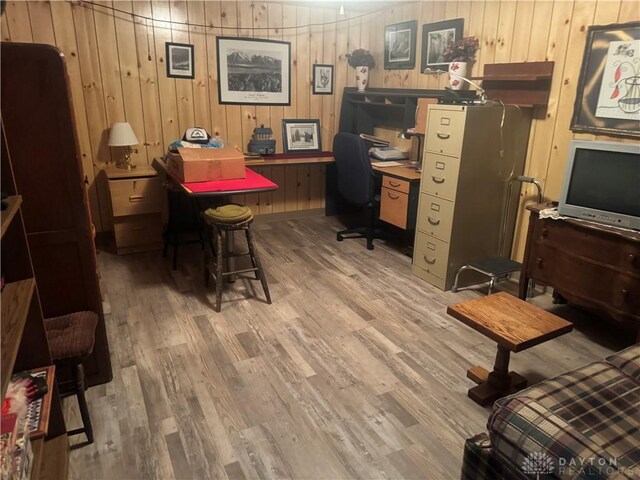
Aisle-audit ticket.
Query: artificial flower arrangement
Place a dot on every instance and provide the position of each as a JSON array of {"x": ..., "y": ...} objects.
[
  {"x": 361, "y": 58},
  {"x": 463, "y": 50}
]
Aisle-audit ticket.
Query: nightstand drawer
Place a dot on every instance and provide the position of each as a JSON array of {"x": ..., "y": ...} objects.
[
  {"x": 435, "y": 216},
  {"x": 440, "y": 176},
  {"x": 135, "y": 196},
  {"x": 395, "y": 184},
  {"x": 393, "y": 207},
  {"x": 445, "y": 132},
  {"x": 431, "y": 254},
  {"x": 139, "y": 230}
]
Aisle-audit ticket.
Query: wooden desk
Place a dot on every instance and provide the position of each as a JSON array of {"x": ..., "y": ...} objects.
[
  {"x": 588, "y": 264},
  {"x": 399, "y": 195},
  {"x": 514, "y": 325}
]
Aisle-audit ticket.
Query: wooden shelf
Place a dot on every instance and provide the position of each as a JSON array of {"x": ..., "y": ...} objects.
[
  {"x": 16, "y": 300},
  {"x": 7, "y": 215},
  {"x": 513, "y": 77},
  {"x": 378, "y": 104},
  {"x": 526, "y": 84},
  {"x": 52, "y": 462}
]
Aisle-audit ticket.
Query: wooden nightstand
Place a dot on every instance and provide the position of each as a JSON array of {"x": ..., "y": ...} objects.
[{"x": 136, "y": 208}]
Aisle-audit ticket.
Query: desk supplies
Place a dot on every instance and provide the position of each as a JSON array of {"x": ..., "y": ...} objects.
[
  {"x": 385, "y": 164},
  {"x": 387, "y": 153}
]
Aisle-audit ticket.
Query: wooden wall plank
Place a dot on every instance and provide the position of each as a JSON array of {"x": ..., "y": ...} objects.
[
  {"x": 40, "y": 15},
  {"x": 199, "y": 85},
  {"x": 218, "y": 112},
  {"x": 184, "y": 86},
  {"x": 328, "y": 122},
  {"x": 276, "y": 114},
  {"x": 19, "y": 24},
  {"x": 316, "y": 48},
  {"x": 521, "y": 31}
]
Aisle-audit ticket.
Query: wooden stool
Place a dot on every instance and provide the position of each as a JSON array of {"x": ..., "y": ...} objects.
[
  {"x": 71, "y": 339},
  {"x": 222, "y": 224},
  {"x": 514, "y": 325}
]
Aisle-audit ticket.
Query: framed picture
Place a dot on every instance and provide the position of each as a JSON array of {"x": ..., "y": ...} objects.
[
  {"x": 608, "y": 95},
  {"x": 253, "y": 71},
  {"x": 179, "y": 60},
  {"x": 400, "y": 46},
  {"x": 436, "y": 37},
  {"x": 301, "y": 136},
  {"x": 322, "y": 79}
]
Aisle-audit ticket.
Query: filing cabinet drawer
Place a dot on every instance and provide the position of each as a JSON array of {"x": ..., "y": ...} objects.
[
  {"x": 431, "y": 254},
  {"x": 440, "y": 176},
  {"x": 138, "y": 231},
  {"x": 135, "y": 196},
  {"x": 395, "y": 184},
  {"x": 445, "y": 132},
  {"x": 436, "y": 216},
  {"x": 393, "y": 207}
]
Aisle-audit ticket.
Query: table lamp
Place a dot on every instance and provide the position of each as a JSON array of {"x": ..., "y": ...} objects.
[{"x": 121, "y": 135}]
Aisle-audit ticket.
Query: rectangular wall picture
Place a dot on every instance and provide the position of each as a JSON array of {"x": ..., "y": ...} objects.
[
  {"x": 179, "y": 60},
  {"x": 253, "y": 71},
  {"x": 301, "y": 136},
  {"x": 436, "y": 37},
  {"x": 400, "y": 46},
  {"x": 322, "y": 79}
]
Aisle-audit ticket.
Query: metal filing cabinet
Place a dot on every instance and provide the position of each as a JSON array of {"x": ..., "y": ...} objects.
[{"x": 468, "y": 159}]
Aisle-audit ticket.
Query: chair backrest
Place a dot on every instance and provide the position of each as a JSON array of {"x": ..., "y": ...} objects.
[{"x": 355, "y": 176}]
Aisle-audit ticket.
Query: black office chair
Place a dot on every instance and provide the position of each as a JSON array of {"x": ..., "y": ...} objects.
[{"x": 356, "y": 183}]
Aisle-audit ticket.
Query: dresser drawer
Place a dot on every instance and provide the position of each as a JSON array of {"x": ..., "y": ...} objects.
[
  {"x": 445, "y": 132},
  {"x": 431, "y": 254},
  {"x": 587, "y": 243},
  {"x": 435, "y": 216},
  {"x": 393, "y": 207},
  {"x": 440, "y": 176},
  {"x": 138, "y": 230},
  {"x": 395, "y": 184},
  {"x": 135, "y": 196}
]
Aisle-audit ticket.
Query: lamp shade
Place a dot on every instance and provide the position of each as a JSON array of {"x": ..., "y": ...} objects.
[{"x": 121, "y": 135}]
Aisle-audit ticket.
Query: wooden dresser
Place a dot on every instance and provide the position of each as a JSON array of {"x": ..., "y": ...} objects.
[
  {"x": 588, "y": 264},
  {"x": 136, "y": 208},
  {"x": 470, "y": 153}
]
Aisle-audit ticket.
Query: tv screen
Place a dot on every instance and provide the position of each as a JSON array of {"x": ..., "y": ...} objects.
[{"x": 608, "y": 181}]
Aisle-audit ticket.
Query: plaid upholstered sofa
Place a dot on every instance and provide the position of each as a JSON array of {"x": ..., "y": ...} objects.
[{"x": 584, "y": 424}]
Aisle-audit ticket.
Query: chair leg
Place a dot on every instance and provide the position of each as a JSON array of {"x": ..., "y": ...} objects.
[
  {"x": 491, "y": 284},
  {"x": 454, "y": 289},
  {"x": 256, "y": 262},
  {"x": 370, "y": 228},
  {"x": 219, "y": 263},
  {"x": 82, "y": 403},
  {"x": 207, "y": 256}
]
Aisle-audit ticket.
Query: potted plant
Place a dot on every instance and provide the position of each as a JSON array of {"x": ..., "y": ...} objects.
[
  {"x": 361, "y": 60},
  {"x": 459, "y": 54}
]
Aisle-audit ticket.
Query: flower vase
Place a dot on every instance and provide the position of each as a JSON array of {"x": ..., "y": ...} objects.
[
  {"x": 460, "y": 70},
  {"x": 362, "y": 78}
]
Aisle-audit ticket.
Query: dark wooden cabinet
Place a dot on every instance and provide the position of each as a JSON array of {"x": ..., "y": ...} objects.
[
  {"x": 41, "y": 137},
  {"x": 590, "y": 265}
]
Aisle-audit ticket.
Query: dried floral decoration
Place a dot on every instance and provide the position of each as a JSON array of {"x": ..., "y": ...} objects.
[
  {"x": 361, "y": 58},
  {"x": 463, "y": 50}
]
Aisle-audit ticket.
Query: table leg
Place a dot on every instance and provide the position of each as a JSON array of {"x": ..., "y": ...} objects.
[{"x": 497, "y": 383}]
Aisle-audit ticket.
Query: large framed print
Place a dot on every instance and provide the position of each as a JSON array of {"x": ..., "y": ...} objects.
[
  {"x": 301, "y": 136},
  {"x": 436, "y": 37},
  {"x": 608, "y": 94},
  {"x": 253, "y": 71},
  {"x": 400, "y": 45}
]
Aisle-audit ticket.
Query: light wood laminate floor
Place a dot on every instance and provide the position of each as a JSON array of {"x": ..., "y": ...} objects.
[{"x": 355, "y": 370}]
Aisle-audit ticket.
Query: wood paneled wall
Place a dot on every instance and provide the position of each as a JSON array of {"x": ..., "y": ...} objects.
[{"x": 113, "y": 79}]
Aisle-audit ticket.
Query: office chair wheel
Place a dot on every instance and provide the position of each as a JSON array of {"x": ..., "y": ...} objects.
[{"x": 339, "y": 237}]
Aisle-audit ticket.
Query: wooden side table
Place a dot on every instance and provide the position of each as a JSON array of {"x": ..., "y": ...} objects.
[
  {"x": 514, "y": 325},
  {"x": 136, "y": 208}
]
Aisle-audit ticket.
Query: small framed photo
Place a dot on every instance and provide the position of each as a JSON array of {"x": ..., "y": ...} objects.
[
  {"x": 301, "y": 136},
  {"x": 400, "y": 46},
  {"x": 436, "y": 37},
  {"x": 322, "y": 79},
  {"x": 179, "y": 60},
  {"x": 608, "y": 94}
]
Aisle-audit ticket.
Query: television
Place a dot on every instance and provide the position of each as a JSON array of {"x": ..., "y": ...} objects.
[{"x": 602, "y": 183}]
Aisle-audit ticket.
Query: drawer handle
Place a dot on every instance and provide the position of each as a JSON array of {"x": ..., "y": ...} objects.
[
  {"x": 443, "y": 136},
  {"x": 137, "y": 229},
  {"x": 433, "y": 221},
  {"x": 394, "y": 184},
  {"x": 437, "y": 179},
  {"x": 136, "y": 198},
  {"x": 539, "y": 262},
  {"x": 393, "y": 197},
  {"x": 430, "y": 261}
]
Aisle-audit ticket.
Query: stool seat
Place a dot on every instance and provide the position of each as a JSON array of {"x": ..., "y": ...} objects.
[
  {"x": 231, "y": 213},
  {"x": 71, "y": 336}
]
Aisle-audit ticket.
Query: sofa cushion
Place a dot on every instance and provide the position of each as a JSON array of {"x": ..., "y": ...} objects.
[
  {"x": 589, "y": 413},
  {"x": 628, "y": 361}
]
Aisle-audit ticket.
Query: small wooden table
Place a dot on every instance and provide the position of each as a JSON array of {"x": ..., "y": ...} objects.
[{"x": 514, "y": 325}]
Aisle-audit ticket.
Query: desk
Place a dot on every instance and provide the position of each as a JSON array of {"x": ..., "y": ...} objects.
[{"x": 399, "y": 195}]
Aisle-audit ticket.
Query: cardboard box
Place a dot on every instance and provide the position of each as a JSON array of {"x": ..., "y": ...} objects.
[{"x": 205, "y": 164}]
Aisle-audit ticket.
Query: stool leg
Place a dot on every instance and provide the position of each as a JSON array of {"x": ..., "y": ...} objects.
[
  {"x": 82, "y": 403},
  {"x": 251, "y": 254},
  {"x": 219, "y": 262},
  {"x": 175, "y": 251},
  {"x": 207, "y": 255},
  {"x": 256, "y": 261}
]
